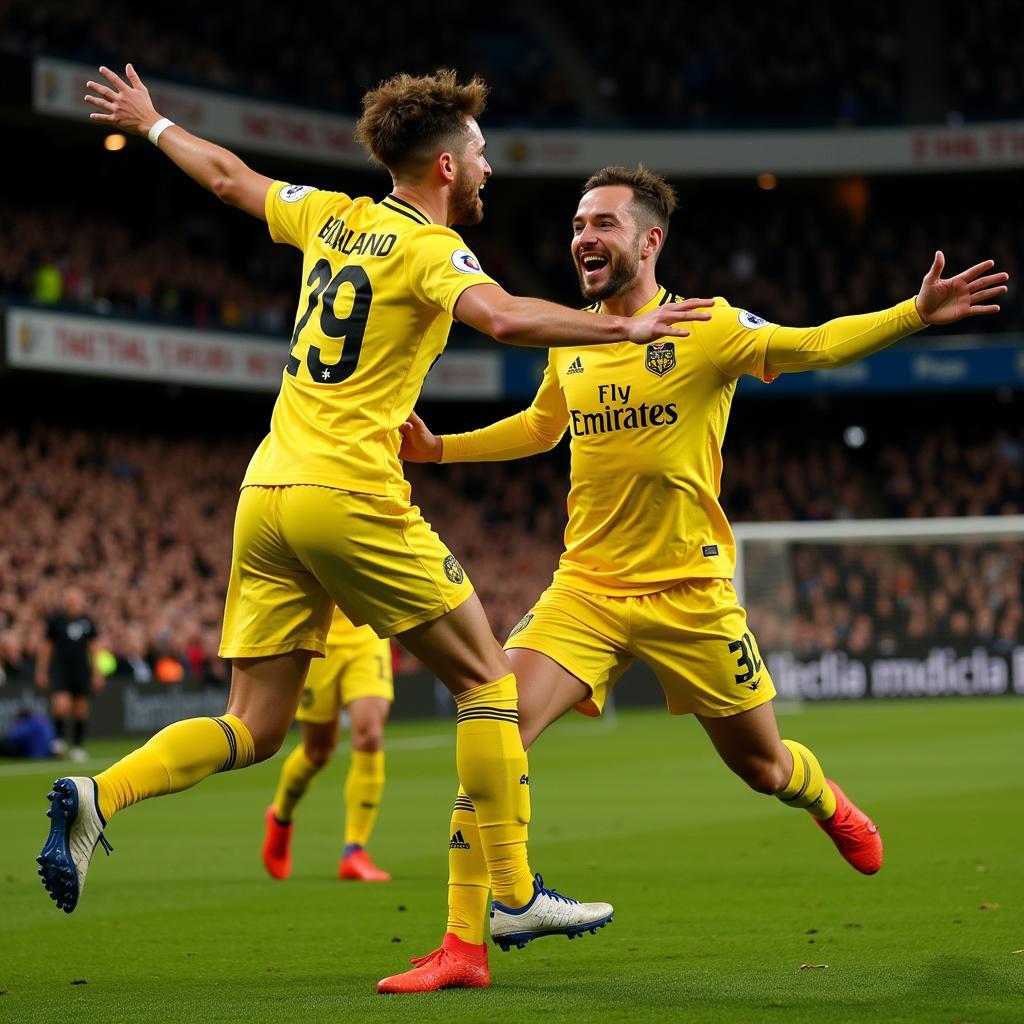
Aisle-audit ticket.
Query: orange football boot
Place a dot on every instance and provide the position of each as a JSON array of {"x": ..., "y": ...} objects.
[
  {"x": 357, "y": 867},
  {"x": 456, "y": 964},
  {"x": 854, "y": 833},
  {"x": 277, "y": 846}
]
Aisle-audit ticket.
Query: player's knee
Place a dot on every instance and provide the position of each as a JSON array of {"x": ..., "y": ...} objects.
[
  {"x": 319, "y": 753},
  {"x": 266, "y": 740},
  {"x": 368, "y": 737},
  {"x": 762, "y": 775}
]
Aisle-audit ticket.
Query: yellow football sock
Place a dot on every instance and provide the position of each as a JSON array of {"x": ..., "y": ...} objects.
[
  {"x": 175, "y": 759},
  {"x": 808, "y": 788},
  {"x": 494, "y": 774},
  {"x": 363, "y": 789},
  {"x": 297, "y": 775},
  {"x": 468, "y": 881}
]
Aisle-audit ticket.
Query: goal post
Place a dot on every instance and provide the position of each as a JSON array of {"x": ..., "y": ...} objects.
[{"x": 882, "y": 608}]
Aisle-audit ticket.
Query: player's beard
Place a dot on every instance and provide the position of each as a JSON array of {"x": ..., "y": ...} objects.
[
  {"x": 623, "y": 269},
  {"x": 465, "y": 204}
]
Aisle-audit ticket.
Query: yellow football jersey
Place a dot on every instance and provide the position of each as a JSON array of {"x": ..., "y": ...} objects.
[
  {"x": 647, "y": 424},
  {"x": 380, "y": 282}
]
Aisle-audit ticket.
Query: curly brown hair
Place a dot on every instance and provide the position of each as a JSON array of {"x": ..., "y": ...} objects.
[
  {"x": 406, "y": 119},
  {"x": 654, "y": 199}
]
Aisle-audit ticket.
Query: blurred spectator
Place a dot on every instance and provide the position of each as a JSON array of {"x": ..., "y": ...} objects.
[
  {"x": 31, "y": 736},
  {"x": 66, "y": 665}
]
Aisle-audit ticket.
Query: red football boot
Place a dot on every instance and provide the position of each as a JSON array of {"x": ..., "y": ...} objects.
[
  {"x": 357, "y": 867},
  {"x": 277, "y": 846},
  {"x": 854, "y": 833},
  {"x": 456, "y": 964}
]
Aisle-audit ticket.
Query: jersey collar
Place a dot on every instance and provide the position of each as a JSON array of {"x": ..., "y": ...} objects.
[
  {"x": 660, "y": 297},
  {"x": 406, "y": 209}
]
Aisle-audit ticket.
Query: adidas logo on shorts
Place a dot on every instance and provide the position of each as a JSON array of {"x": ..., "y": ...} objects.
[{"x": 576, "y": 366}]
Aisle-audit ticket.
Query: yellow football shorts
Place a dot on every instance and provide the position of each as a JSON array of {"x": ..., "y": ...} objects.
[
  {"x": 357, "y": 665},
  {"x": 302, "y": 549},
  {"x": 694, "y": 636}
]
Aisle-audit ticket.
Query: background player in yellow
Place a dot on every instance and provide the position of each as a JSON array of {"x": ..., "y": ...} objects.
[
  {"x": 649, "y": 554},
  {"x": 354, "y": 675},
  {"x": 324, "y": 516}
]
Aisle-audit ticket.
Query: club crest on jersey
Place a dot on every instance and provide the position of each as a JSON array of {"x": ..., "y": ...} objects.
[
  {"x": 465, "y": 262},
  {"x": 453, "y": 570},
  {"x": 661, "y": 357}
]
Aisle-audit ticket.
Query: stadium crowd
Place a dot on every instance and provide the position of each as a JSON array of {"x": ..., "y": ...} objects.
[
  {"x": 832, "y": 64},
  {"x": 783, "y": 63},
  {"x": 890, "y": 599},
  {"x": 798, "y": 258},
  {"x": 59, "y": 259},
  {"x": 143, "y": 526},
  {"x": 325, "y": 62}
]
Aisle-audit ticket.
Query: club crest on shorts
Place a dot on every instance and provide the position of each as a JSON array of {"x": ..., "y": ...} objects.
[
  {"x": 661, "y": 357},
  {"x": 520, "y": 625},
  {"x": 453, "y": 570}
]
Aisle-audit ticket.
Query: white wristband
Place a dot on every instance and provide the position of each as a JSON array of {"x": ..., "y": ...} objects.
[{"x": 159, "y": 128}]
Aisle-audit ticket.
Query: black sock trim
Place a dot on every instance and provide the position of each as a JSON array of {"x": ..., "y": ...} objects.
[
  {"x": 512, "y": 714},
  {"x": 473, "y": 716},
  {"x": 232, "y": 744}
]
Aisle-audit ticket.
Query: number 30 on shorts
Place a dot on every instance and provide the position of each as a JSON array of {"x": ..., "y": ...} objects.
[{"x": 746, "y": 658}]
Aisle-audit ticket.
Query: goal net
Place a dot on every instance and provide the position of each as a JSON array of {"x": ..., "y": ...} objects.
[{"x": 886, "y": 608}]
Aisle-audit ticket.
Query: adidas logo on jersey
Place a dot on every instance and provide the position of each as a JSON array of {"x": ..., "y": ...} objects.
[
  {"x": 458, "y": 842},
  {"x": 576, "y": 366}
]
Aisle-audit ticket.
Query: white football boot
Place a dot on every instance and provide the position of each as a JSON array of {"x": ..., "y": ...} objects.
[
  {"x": 76, "y": 828},
  {"x": 547, "y": 913}
]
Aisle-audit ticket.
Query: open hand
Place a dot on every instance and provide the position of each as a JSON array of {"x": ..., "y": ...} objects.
[
  {"x": 946, "y": 300},
  {"x": 661, "y": 321},
  {"x": 418, "y": 443},
  {"x": 123, "y": 105}
]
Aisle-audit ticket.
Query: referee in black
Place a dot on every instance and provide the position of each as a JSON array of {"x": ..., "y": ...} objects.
[{"x": 67, "y": 665}]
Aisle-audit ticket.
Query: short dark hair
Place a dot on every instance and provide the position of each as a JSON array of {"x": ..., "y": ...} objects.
[
  {"x": 405, "y": 118},
  {"x": 654, "y": 199}
]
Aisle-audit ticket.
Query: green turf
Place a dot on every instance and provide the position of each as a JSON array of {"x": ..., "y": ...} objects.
[{"x": 721, "y": 895}]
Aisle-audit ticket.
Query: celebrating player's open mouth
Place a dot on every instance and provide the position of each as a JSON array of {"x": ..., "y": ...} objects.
[
  {"x": 591, "y": 265},
  {"x": 604, "y": 272}
]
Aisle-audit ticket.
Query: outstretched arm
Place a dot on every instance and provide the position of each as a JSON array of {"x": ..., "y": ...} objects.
[
  {"x": 849, "y": 338},
  {"x": 530, "y": 432},
  {"x": 535, "y": 323},
  {"x": 126, "y": 105}
]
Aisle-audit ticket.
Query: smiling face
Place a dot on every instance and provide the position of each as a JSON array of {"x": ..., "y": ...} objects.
[
  {"x": 472, "y": 171},
  {"x": 607, "y": 242}
]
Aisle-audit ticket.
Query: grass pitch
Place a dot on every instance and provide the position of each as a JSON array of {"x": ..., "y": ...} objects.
[{"x": 721, "y": 896}]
